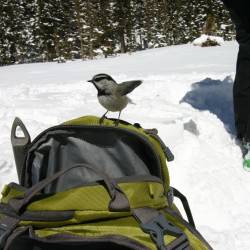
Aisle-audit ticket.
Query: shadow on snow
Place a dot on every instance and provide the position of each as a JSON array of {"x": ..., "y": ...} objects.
[{"x": 215, "y": 96}]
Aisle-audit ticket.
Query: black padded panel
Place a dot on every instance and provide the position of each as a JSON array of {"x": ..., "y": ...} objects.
[{"x": 115, "y": 152}]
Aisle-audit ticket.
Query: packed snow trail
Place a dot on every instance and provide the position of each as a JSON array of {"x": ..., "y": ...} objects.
[{"x": 207, "y": 166}]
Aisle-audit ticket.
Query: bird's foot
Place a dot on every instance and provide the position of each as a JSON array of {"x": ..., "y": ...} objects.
[
  {"x": 102, "y": 119},
  {"x": 116, "y": 122}
]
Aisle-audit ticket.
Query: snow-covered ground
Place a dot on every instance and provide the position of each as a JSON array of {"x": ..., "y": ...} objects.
[{"x": 207, "y": 166}]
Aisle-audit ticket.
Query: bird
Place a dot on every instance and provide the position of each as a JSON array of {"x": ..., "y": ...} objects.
[{"x": 111, "y": 95}]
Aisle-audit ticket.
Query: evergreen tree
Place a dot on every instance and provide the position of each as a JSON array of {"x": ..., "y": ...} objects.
[
  {"x": 12, "y": 33},
  {"x": 37, "y": 30},
  {"x": 31, "y": 48},
  {"x": 106, "y": 41},
  {"x": 123, "y": 25},
  {"x": 139, "y": 21}
]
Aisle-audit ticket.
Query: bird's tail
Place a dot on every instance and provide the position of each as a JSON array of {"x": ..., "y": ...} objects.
[{"x": 131, "y": 101}]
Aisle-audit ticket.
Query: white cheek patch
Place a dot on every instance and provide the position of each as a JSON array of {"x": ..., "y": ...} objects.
[{"x": 105, "y": 85}]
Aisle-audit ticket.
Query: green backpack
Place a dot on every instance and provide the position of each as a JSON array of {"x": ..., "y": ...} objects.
[{"x": 85, "y": 185}]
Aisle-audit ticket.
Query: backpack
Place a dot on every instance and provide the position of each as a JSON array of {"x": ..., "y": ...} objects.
[{"x": 85, "y": 185}]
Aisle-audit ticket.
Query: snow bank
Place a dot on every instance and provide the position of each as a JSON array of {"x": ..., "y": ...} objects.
[
  {"x": 203, "y": 39},
  {"x": 207, "y": 166}
]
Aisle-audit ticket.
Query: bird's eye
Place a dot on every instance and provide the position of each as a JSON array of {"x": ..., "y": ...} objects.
[{"x": 99, "y": 79}]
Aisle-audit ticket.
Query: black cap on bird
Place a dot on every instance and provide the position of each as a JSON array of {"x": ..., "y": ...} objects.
[{"x": 99, "y": 77}]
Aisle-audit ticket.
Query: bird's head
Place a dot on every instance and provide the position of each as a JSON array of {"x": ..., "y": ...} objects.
[{"x": 102, "y": 81}]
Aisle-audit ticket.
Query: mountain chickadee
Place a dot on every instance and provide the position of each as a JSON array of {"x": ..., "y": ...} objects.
[{"x": 111, "y": 95}]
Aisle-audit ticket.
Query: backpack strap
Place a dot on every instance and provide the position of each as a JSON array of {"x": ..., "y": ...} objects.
[
  {"x": 157, "y": 226},
  {"x": 182, "y": 197},
  {"x": 7, "y": 226},
  {"x": 168, "y": 153},
  {"x": 119, "y": 201}
]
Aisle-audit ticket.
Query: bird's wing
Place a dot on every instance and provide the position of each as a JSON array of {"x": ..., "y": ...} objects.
[{"x": 126, "y": 87}]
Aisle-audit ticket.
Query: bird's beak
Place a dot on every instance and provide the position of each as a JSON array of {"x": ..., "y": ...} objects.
[{"x": 90, "y": 81}]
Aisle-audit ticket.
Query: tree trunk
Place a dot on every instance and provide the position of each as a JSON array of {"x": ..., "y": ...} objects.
[
  {"x": 80, "y": 33},
  {"x": 123, "y": 44}
]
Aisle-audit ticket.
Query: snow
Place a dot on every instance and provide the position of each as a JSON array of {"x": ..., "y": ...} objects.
[
  {"x": 186, "y": 95},
  {"x": 203, "y": 38},
  {"x": 215, "y": 96}
]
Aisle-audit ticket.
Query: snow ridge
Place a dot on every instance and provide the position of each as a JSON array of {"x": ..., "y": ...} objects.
[{"x": 185, "y": 95}]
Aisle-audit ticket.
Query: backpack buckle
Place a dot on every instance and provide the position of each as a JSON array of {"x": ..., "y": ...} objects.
[{"x": 160, "y": 226}]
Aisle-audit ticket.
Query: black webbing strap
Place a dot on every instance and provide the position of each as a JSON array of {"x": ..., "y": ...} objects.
[
  {"x": 154, "y": 133},
  {"x": 185, "y": 205},
  {"x": 7, "y": 226},
  {"x": 16, "y": 233},
  {"x": 119, "y": 201},
  {"x": 157, "y": 226}
]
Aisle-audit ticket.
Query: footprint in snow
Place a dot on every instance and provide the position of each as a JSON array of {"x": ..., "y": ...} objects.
[{"x": 5, "y": 167}]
